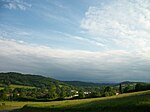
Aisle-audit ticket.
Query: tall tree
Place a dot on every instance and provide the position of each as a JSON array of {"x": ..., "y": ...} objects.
[{"x": 120, "y": 88}]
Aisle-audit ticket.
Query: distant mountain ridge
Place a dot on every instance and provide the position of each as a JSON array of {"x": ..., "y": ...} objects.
[
  {"x": 89, "y": 84},
  {"x": 40, "y": 81}
]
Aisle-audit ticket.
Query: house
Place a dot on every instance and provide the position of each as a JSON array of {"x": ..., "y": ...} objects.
[
  {"x": 86, "y": 93},
  {"x": 117, "y": 93}
]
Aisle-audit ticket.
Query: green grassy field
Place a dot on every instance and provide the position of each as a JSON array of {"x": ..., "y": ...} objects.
[
  {"x": 1, "y": 88},
  {"x": 131, "y": 102},
  {"x": 13, "y": 86},
  {"x": 8, "y": 105}
]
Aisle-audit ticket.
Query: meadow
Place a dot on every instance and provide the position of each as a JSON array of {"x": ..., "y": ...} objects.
[
  {"x": 130, "y": 102},
  {"x": 13, "y": 86}
]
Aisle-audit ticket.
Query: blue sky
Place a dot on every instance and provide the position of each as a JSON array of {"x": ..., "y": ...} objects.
[{"x": 87, "y": 40}]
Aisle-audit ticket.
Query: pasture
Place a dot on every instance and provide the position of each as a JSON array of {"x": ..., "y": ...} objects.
[{"x": 130, "y": 102}]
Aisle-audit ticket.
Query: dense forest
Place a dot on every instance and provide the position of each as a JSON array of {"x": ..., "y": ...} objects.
[{"x": 27, "y": 87}]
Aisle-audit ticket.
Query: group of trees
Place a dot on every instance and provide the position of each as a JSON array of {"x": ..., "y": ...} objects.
[
  {"x": 94, "y": 92},
  {"x": 54, "y": 92},
  {"x": 137, "y": 87},
  {"x": 142, "y": 87},
  {"x": 35, "y": 93}
]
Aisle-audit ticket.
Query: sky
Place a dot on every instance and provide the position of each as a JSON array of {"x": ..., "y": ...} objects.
[{"x": 84, "y": 40}]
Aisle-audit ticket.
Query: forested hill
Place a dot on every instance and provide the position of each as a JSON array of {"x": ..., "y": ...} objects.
[
  {"x": 40, "y": 81},
  {"x": 88, "y": 84},
  {"x": 28, "y": 79}
]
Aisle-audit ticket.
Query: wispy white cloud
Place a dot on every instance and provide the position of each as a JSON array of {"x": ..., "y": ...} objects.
[
  {"x": 15, "y": 4},
  {"x": 8, "y": 31},
  {"x": 80, "y": 38},
  {"x": 58, "y": 12},
  {"x": 123, "y": 23},
  {"x": 20, "y": 48}
]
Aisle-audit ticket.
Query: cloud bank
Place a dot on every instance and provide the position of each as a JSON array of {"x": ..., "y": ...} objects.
[{"x": 114, "y": 65}]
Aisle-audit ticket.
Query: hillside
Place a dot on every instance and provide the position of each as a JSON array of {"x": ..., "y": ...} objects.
[
  {"x": 27, "y": 79},
  {"x": 40, "y": 81},
  {"x": 27, "y": 87},
  {"x": 131, "y": 102}
]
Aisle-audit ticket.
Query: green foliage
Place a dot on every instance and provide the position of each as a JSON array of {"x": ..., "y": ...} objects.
[
  {"x": 128, "y": 88},
  {"x": 131, "y": 102},
  {"x": 95, "y": 94},
  {"x": 120, "y": 88},
  {"x": 62, "y": 93},
  {"x": 81, "y": 94},
  {"x": 3, "y": 95},
  {"x": 142, "y": 86},
  {"x": 109, "y": 91}
]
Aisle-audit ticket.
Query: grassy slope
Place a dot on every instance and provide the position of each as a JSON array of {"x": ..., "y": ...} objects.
[
  {"x": 132, "y": 102},
  {"x": 13, "y": 105},
  {"x": 13, "y": 86}
]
